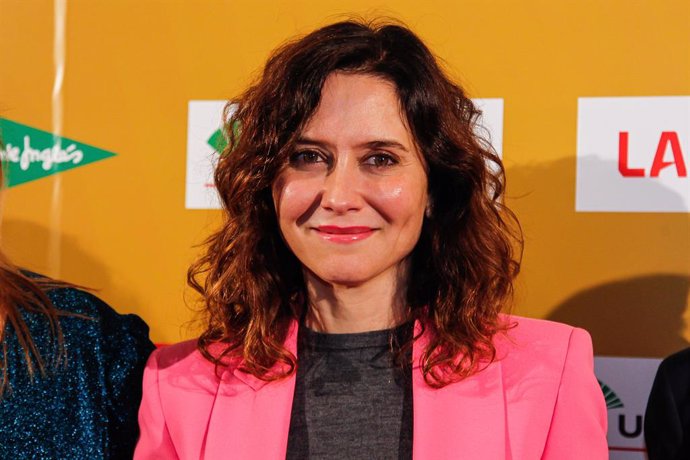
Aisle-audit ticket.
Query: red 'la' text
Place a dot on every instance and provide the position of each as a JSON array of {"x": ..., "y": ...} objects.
[{"x": 667, "y": 141}]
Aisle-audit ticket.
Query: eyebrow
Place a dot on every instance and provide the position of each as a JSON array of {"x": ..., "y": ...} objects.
[{"x": 375, "y": 144}]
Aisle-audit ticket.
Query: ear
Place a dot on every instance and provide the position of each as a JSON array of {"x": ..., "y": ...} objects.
[{"x": 428, "y": 209}]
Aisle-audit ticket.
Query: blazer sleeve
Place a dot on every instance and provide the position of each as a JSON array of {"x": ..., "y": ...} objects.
[
  {"x": 154, "y": 438},
  {"x": 579, "y": 421}
]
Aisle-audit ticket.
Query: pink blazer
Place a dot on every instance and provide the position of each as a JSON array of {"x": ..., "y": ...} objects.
[{"x": 538, "y": 400}]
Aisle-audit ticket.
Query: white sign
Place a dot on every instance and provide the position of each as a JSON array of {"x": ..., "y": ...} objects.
[
  {"x": 633, "y": 154},
  {"x": 626, "y": 383},
  {"x": 491, "y": 122},
  {"x": 205, "y": 119}
]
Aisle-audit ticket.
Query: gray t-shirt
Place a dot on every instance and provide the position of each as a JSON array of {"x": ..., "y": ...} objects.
[{"x": 351, "y": 400}]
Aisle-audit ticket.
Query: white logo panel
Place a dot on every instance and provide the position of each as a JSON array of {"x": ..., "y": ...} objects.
[
  {"x": 627, "y": 383},
  {"x": 491, "y": 122},
  {"x": 633, "y": 154},
  {"x": 205, "y": 118}
]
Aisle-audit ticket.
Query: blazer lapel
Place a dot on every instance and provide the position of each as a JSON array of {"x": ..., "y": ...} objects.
[
  {"x": 461, "y": 420},
  {"x": 246, "y": 423}
]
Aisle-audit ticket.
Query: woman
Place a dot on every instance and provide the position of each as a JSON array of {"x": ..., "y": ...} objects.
[
  {"x": 353, "y": 292},
  {"x": 71, "y": 368}
]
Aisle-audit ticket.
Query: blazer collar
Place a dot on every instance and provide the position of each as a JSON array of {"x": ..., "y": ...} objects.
[{"x": 251, "y": 419}]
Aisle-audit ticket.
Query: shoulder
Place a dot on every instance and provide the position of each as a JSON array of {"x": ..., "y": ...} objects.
[
  {"x": 83, "y": 314},
  {"x": 92, "y": 331},
  {"x": 537, "y": 329},
  {"x": 76, "y": 304},
  {"x": 74, "y": 301},
  {"x": 180, "y": 387},
  {"x": 182, "y": 366},
  {"x": 180, "y": 357},
  {"x": 550, "y": 389},
  {"x": 677, "y": 364},
  {"x": 673, "y": 375},
  {"x": 534, "y": 345},
  {"x": 531, "y": 335}
]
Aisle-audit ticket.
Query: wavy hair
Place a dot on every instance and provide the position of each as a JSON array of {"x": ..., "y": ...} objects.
[{"x": 464, "y": 264}]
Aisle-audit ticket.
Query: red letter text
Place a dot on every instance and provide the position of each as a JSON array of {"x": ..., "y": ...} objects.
[
  {"x": 668, "y": 137},
  {"x": 623, "y": 158}
]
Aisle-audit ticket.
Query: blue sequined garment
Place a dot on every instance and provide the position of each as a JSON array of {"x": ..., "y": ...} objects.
[{"x": 86, "y": 409}]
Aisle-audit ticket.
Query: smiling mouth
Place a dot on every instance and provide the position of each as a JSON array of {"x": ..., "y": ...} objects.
[{"x": 337, "y": 234}]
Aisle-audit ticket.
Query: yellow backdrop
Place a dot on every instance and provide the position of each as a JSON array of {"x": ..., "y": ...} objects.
[{"x": 120, "y": 225}]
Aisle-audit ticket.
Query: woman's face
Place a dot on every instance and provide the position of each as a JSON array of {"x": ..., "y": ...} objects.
[{"x": 351, "y": 201}]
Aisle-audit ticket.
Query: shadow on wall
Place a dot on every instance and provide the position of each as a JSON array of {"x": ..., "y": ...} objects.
[
  {"x": 27, "y": 245},
  {"x": 641, "y": 316},
  {"x": 647, "y": 193}
]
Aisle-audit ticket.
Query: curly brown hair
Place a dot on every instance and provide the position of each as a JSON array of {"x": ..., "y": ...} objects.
[{"x": 464, "y": 264}]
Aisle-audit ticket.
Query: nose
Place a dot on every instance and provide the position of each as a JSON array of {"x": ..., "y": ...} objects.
[{"x": 340, "y": 192}]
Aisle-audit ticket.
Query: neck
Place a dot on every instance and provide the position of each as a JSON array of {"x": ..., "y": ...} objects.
[{"x": 374, "y": 305}]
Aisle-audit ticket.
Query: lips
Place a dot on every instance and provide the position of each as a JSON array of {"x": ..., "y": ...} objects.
[{"x": 338, "y": 234}]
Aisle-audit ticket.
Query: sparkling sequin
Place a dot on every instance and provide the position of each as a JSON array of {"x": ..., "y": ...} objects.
[{"x": 86, "y": 408}]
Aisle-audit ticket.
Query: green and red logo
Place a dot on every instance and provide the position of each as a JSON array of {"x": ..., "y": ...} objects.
[{"x": 28, "y": 153}]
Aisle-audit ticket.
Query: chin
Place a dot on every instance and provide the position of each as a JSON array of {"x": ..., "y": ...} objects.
[
  {"x": 344, "y": 279},
  {"x": 343, "y": 275}
]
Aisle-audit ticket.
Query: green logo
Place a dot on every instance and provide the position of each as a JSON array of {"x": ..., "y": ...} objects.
[
  {"x": 218, "y": 141},
  {"x": 28, "y": 153},
  {"x": 612, "y": 399}
]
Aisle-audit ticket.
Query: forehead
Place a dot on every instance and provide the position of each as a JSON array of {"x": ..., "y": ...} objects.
[{"x": 358, "y": 107}]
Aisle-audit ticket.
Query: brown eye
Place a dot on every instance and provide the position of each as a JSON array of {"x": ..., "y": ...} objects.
[
  {"x": 380, "y": 160},
  {"x": 306, "y": 157}
]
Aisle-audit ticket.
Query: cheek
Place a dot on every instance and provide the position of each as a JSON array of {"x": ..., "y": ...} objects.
[
  {"x": 400, "y": 202},
  {"x": 294, "y": 198}
]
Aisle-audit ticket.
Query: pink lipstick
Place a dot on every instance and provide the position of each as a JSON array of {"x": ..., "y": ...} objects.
[{"x": 344, "y": 234}]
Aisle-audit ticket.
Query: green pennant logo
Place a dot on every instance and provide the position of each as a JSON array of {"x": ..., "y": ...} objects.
[
  {"x": 612, "y": 399},
  {"x": 28, "y": 153}
]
